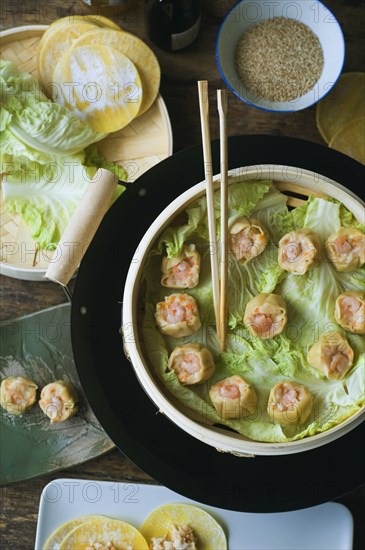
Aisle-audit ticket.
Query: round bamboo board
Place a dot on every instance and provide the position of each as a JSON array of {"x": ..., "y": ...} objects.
[{"x": 143, "y": 143}]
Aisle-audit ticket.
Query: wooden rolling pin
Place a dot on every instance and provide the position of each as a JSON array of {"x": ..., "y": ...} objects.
[{"x": 82, "y": 227}]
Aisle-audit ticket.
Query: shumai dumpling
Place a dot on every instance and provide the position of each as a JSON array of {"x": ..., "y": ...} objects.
[
  {"x": 299, "y": 251},
  {"x": 265, "y": 315},
  {"x": 247, "y": 239},
  {"x": 332, "y": 355},
  {"x": 289, "y": 403},
  {"x": 182, "y": 271},
  {"x": 350, "y": 311},
  {"x": 59, "y": 401},
  {"x": 233, "y": 397},
  {"x": 346, "y": 249},
  {"x": 178, "y": 315},
  {"x": 192, "y": 363},
  {"x": 17, "y": 394}
]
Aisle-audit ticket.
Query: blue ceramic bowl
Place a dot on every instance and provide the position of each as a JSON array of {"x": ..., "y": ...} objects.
[{"x": 315, "y": 15}]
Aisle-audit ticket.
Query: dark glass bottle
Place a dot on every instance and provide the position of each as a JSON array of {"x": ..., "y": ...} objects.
[
  {"x": 172, "y": 24},
  {"x": 108, "y": 7}
]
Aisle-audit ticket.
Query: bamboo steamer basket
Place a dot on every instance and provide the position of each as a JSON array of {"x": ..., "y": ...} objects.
[{"x": 297, "y": 184}]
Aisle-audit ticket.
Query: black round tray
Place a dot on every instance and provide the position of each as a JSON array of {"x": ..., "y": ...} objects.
[{"x": 152, "y": 441}]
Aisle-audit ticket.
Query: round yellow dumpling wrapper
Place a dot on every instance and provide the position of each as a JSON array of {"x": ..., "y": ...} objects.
[
  {"x": 351, "y": 140},
  {"x": 137, "y": 51},
  {"x": 100, "y": 85},
  {"x": 98, "y": 20},
  {"x": 342, "y": 105},
  {"x": 207, "y": 531},
  {"x": 63, "y": 530},
  {"x": 56, "y": 41},
  {"x": 100, "y": 530}
]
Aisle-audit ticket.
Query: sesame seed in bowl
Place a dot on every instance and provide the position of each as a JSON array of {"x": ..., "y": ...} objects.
[{"x": 280, "y": 56}]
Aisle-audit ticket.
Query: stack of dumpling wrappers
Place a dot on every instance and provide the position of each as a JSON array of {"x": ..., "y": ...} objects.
[{"x": 102, "y": 74}]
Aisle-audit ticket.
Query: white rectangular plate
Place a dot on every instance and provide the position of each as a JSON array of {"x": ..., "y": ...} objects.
[{"x": 325, "y": 527}]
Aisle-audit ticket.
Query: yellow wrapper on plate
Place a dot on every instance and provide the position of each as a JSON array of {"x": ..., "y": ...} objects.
[
  {"x": 65, "y": 529},
  {"x": 351, "y": 140},
  {"x": 342, "y": 105},
  {"x": 206, "y": 529},
  {"x": 102, "y": 531}
]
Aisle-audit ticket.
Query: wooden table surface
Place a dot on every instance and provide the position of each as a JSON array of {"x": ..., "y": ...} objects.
[{"x": 19, "y": 502}]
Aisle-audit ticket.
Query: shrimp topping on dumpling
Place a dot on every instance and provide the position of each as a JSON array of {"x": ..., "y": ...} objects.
[
  {"x": 265, "y": 315},
  {"x": 289, "y": 403},
  {"x": 179, "y": 537},
  {"x": 233, "y": 397},
  {"x": 59, "y": 401},
  {"x": 182, "y": 271},
  {"x": 346, "y": 249},
  {"x": 178, "y": 315},
  {"x": 247, "y": 239},
  {"x": 332, "y": 355},
  {"x": 99, "y": 546},
  {"x": 181, "y": 526},
  {"x": 17, "y": 394},
  {"x": 192, "y": 363},
  {"x": 299, "y": 251},
  {"x": 350, "y": 311}
]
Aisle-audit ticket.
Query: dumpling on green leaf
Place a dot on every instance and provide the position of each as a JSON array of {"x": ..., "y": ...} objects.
[
  {"x": 299, "y": 251},
  {"x": 17, "y": 394},
  {"x": 233, "y": 397},
  {"x": 178, "y": 315},
  {"x": 265, "y": 315},
  {"x": 182, "y": 271},
  {"x": 346, "y": 249},
  {"x": 350, "y": 311},
  {"x": 332, "y": 354},
  {"x": 247, "y": 239},
  {"x": 289, "y": 403},
  {"x": 192, "y": 363},
  {"x": 59, "y": 401}
]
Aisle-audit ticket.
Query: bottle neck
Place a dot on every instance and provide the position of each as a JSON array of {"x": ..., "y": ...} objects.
[{"x": 172, "y": 24}]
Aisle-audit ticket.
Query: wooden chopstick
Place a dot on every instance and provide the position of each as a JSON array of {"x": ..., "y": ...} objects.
[
  {"x": 208, "y": 169},
  {"x": 222, "y": 109}
]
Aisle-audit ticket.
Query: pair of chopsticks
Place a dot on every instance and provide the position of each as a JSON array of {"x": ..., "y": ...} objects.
[{"x": 219, "y": 272}]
